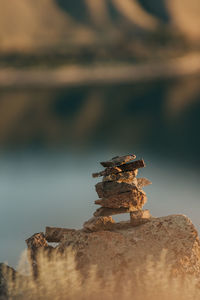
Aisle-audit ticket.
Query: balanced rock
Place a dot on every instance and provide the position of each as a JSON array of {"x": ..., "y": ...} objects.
[
  {"x": 122, "y": 168},
  {"x": 118, "y": 160},
  {"x": 139, "y": 217},
  {"x": 128, "y": 177},
  {"x": 134, "y": 199},
  {"x": 110, "y": 188},
  {"x": 120, "y": 249},
  {"x": 99, "y": 223},
  {"x": 133, "y": 165},
  {"x": 107, "y": 171}
]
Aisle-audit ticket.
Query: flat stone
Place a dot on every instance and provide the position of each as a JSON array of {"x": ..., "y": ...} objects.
[
  {"x": 139, "y": 217},
  {"x": 99, "y": 223},
  {"x": 123, "y": 168},
  {"x": 107, "y": 172},
  {"x": 128, "y": 177},
  {"x": 118, "y": 160},
  {"x": 109, "y": 188},
  {"x": 104, "y": 211},
  {"x": 133, "y": 165},
  {"x": 55, "y": 234},
  {"x": 134, "y": 199},
  {"x": 143, "y": 182}
]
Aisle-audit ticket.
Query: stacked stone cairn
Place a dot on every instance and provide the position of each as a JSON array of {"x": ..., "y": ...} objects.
[{"x": 119, "y": 192}]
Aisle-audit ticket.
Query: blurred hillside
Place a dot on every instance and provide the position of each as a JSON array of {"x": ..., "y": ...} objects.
[{"x": 90, "y": 30}]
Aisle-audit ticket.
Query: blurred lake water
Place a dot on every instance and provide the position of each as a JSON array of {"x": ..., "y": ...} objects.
[{"x": 53, "y": 139}]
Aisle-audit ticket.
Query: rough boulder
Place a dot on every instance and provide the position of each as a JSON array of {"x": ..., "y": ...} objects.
[{"x": 125, "y": 245}]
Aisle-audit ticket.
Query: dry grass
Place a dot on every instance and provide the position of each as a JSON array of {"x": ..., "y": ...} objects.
[{"x": 59, "y": 279}]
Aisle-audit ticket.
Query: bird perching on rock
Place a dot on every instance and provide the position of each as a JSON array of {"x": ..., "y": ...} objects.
[{"x": 120, "y": 191}]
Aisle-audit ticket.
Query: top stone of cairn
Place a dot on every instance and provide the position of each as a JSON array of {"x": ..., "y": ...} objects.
[
  {"x": 125, "y": 167},
  {"x": 118, "y": 161}
]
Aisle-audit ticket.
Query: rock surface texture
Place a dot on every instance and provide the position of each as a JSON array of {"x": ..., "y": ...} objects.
[
  {"x": 131, "y": 246},
  {"x": 99, "y": 223}
]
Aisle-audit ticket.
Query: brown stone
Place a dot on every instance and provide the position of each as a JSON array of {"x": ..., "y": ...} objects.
[
  {"x": 139, "y": 217},
  {"x": 109, "y": 188},
  {"x": 128, "y": 177},
  {"x": 118, "y": 160},
  {"x": 55, "y": 234},
  {"x": 107, "y": 172},
  {"x": 123, "y": 168},
  {"x": 119, "y": 249},
  {"x": 104, "y": 211},
  {"x": 99, "y": 223},
  {"x": 143, "y": 182},
  {"x": 35, "y": 243},
  {"x": 134, "y": 199},
  {"x": 133, "y": 165}
]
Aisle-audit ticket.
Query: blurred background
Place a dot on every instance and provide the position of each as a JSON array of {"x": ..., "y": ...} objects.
[{"x": 83, "y": 81}]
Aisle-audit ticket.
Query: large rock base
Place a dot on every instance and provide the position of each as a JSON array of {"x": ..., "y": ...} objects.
[{"x": 125, "y": 247}]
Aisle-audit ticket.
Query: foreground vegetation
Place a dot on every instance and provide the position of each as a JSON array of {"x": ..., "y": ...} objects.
[{"x": 59, "y": 279}]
